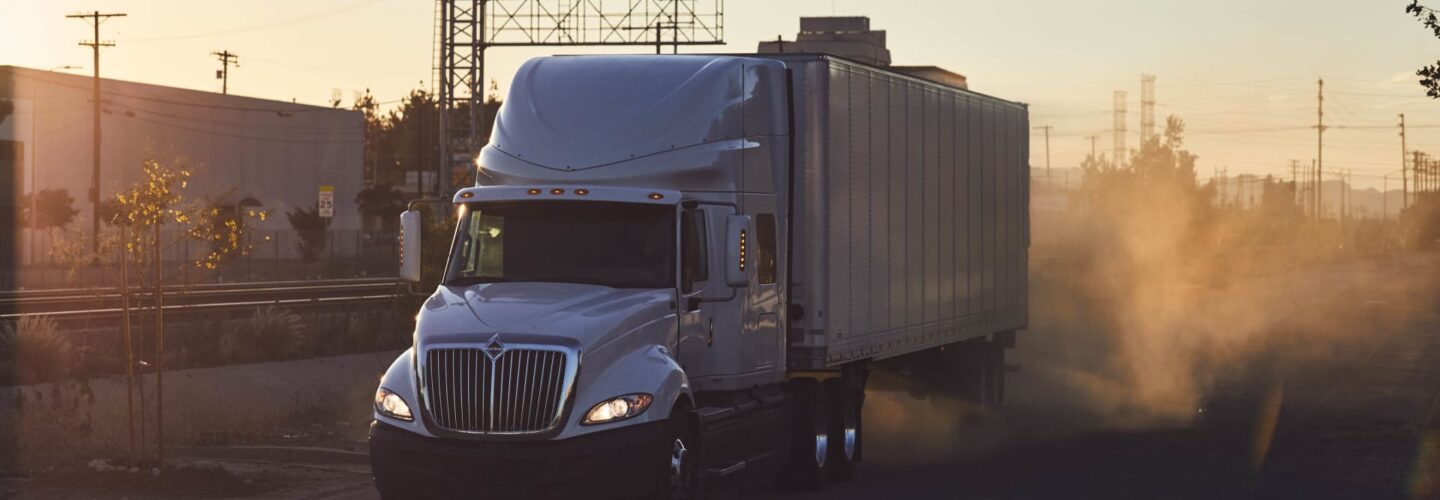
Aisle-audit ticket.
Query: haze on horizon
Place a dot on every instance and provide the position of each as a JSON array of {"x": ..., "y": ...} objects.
[{"x": 1241, "y": 73}]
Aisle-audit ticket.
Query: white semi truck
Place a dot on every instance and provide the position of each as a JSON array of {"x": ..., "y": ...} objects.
[{"x": 674, "y": 270}]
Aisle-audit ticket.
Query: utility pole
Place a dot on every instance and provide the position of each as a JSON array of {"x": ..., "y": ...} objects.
[
  {"x": 1320, "y": 143},
  {"x": 226, "y": 58},
  {"x": 1404, "y": 178},
  {"x": 1147, "y": 108},
  {"x": 1093, "y": 138},
  {"x": 1046, "y": 128},
  {"x": 96, "y": 18},
  {"x": 1224, "y": 188},
  {"x": 1295, "y": 186},
  {"x": 1118, "y": 127}
]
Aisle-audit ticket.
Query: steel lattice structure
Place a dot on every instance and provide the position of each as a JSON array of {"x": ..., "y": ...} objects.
[{"x": 465, "y": 28}]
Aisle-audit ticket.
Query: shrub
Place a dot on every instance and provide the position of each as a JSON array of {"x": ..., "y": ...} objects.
[
  {"x": 34, "y": 350},
  {"x": 270, "y": 334}
]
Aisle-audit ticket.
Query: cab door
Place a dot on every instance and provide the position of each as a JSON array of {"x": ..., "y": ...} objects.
[
  {"x": 761, "y": 340},
  {"x": 697, "y": 310}
]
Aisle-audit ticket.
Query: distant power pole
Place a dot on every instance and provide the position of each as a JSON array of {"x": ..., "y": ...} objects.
[
  {"x": 1295, "y": 179},
  {"x": 1118, "y": 128},
  {"x": 1224, "y": 180},
  {"x": 1404, "y": 178},
  {"x": 226, "y": 59},
  {"x": 1320, "y": 144},
  {"x": 1093, "y": 138},
  {"x": 1047, "y": 128},
  {"x": 1147, "y": 108},
  {"x": 95, "y": 18}
]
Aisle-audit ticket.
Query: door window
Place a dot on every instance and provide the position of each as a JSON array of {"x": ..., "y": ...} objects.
[
  {"x": 765, "y": 237},
  {"x": 695, "y": 262}
]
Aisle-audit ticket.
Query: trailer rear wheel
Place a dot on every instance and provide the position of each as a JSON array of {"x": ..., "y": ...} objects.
[
  {"x": 809, "y": 435},
  {"x": 845, "y": 429}
]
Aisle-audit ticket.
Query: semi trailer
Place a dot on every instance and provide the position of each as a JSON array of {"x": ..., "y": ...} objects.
[{"x": 674, "y": 271}]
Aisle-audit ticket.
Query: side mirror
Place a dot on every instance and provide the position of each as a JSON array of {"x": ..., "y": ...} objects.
[
  {"x": 738, "y": 260},
  {"x": 410, "y": 246}
]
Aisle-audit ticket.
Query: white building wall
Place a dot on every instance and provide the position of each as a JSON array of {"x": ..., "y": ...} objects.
[{"x": 276, "y": 152}]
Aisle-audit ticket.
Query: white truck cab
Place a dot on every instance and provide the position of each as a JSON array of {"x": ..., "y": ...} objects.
[{"x": 645, "y": 286}]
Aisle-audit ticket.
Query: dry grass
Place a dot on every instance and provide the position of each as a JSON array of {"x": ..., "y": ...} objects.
[{"x": 34, "y": 350}]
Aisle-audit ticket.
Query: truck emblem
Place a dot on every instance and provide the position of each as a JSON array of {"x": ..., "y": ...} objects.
[{"x": 493, "y": 348}]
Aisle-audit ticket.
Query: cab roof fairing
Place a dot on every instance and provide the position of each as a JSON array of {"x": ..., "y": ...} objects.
[{"x": 626, "y": 117}]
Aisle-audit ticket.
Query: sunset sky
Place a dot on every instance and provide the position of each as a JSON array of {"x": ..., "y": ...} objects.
[{"x": 1241, "y": 72}]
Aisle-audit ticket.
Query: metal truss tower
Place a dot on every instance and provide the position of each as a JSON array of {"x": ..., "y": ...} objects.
[
  {"x": 465, "y": 28},
  {"x": 1147, "y": 108},
  {"x": 1118, "y": 129}
]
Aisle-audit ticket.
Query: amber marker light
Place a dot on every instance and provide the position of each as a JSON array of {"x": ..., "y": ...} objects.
[
  {"x": 582, "y": 192},
  {"x": 656, "y": 196},
  {"x": 557, "y": 191},
  {"x": 532, "y": 191},
  {"x": 467, "y": 195}
]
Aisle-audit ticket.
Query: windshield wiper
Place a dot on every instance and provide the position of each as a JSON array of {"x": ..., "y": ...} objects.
[
  {"x": 583, "y": 281},
  {"x": 474, "y": 280}
]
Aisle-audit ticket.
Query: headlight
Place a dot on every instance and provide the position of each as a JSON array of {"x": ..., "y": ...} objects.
[
  {"x": 391, "y": 405},
  {"x": 619, "y": 408}
]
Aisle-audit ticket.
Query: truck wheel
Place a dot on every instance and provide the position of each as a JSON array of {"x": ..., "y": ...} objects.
[
  {"x": 845, "y": 429},
  {"x": 810, "y": 436},
  {"x": 679, "y": 478}
]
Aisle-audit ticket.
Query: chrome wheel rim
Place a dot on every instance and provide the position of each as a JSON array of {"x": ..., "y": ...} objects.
[
  {"x": 822, "y": 441},
  {"x": 852, "y": 434},
  {"x": 677, "y": 463}
]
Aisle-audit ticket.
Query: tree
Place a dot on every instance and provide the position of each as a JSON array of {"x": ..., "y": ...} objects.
[
  {"x": 405, "y": 139},
  {"x": 140, "y": 212},
  {"x": 1429, "y": 75},
  {"x": 53, "y": 209},
  {"x": 383, "y": 202},
  {"x": 311, "y": 228}
]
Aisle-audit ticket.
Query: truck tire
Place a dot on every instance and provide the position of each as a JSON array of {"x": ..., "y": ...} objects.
[
  {"x": 678, "y": 478},
  {"x": 809, "y": 466},
  {"x": 845, "y": 429}
]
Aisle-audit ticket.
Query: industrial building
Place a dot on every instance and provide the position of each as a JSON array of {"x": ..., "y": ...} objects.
[
  {"x": 278, "y": 154},
  {"x": 850, "y": 37}
]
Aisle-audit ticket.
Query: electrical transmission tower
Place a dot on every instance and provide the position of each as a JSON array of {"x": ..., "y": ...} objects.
[
  {"x": 1147, "y": 108},
  {"x": 1118, "y": 130},
  {"x": 465, "y": 28}
]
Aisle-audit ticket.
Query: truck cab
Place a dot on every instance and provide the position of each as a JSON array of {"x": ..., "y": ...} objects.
[{"x": 595, "y": 289}]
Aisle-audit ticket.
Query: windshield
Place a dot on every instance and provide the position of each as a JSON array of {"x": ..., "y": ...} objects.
[{"x": 621, "y": 245}]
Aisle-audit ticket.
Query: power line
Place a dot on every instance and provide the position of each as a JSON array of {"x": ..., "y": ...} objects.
[
  {"x": 302, "y": 108},
  {"x": 254, "y": 27}
]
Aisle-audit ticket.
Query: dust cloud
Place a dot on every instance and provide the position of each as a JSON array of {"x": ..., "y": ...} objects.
[
  {"x": 1153, "y": 295},
  {"x": 1154, "y": 292}
]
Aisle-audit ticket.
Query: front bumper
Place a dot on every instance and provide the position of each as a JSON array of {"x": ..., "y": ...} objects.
[{"x": 621, "y": 462}]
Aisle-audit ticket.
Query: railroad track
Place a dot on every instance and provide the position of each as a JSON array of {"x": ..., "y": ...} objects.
[{"x": 76, "y": 303}]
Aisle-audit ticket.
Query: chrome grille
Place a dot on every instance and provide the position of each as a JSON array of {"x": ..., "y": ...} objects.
[{"x": 520, "y": 391}]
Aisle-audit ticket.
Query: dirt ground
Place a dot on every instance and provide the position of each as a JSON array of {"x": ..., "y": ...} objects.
[{"x": 1339, "y": 398}]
